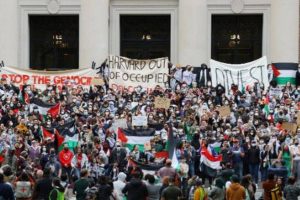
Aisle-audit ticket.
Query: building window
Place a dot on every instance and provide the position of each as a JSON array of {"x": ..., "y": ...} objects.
[
  {"x": 54, "y": 42},
  {"x": 236, "y": 39},
  {"x": 145, "y": 36}
]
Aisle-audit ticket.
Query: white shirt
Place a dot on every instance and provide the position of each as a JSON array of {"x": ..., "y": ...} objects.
[{"x": 187, "y": 77}]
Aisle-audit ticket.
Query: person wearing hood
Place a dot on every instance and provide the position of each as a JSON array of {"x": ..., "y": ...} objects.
[
  {"x": 58, "y": 190},
  {"x": 120, "y": 184},
  {"x": 235, "y": 190},
  {"x": 135, "y": 189}
]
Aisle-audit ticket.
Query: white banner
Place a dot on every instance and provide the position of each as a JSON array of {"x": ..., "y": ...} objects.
[
  {"x": 130, "y": 73},
  {"x": 240, "y": 74},
  {"x": 40, "y": 79},
  {"x": 139, "y": 121}
]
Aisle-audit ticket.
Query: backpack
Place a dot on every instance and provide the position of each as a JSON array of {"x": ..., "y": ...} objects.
[
  {"x": 203, "y": 195},
  {"x": 276, "y": 193},
  {"x": 60, "y": 195},
  {"x": 23, "y": 189}
]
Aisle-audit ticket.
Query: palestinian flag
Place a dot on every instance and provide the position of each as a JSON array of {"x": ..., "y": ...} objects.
[
  {"x": 285, "y": 72},
  {"x": 23, "y": 96},
  {"x": 47, "y": 133},
  {"x": 138, "y": 137},
  {"x": 67, "y": 134},
  {"x": 187, "y": 130},
  {"x": 44, "y": 107},
  {"x": 208, "y": 159}
]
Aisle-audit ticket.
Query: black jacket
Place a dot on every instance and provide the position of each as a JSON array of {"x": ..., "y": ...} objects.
[
  {"x": 135, "y": 190},
  {"x": 254, "y": 155}
]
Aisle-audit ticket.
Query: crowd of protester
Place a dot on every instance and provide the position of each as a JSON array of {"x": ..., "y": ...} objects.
[{"x": 256, "y": 151}]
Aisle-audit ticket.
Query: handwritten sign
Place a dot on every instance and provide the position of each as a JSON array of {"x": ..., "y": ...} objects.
[
  {"x": 139, "y": 121},
  {"x": 147, "y": 146},
  {"x": 131, "y": 73},
  {"x": 224, "y": 111},
  {"x": 289, "y": 126},
  {"x": 119, "y": 123},
  {"x": 161, "y": 102}
]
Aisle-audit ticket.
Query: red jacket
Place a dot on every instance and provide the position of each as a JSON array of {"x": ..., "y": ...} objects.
[{"x": 65, "y": 157}]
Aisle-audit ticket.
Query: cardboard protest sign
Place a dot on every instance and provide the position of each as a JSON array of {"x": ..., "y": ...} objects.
[
  {"x": 289, "y": 126},
  {"x": 40, "y": 79},
  {"x": 139, "y": 121},
  {"x": 119, "y": 123},
  {"x": 239, "y": 74},
  {"x": 224, "y": 111},
  {"x": 130, "y": 73},
  {"x": 147, "y": 146},
  {"x": 275, "y": 92},
  {"x": 162, "y": 102}
]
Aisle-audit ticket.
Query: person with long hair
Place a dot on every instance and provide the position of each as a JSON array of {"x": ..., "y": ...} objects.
[{"x": 287, "y": 157}]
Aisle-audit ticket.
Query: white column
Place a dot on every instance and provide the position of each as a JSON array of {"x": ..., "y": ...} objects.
[
  {"x": 284, "y": 44},
  {"x": 9, "y": 32},
  {"x": 93, "y": 37},
  {"x": 192, "y": 40}
]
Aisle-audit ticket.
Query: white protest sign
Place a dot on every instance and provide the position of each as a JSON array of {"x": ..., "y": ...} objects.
[
  {"x": 275, "y": 92},
  {"x": 139, "y": 121},
  {"x": 130, "y": 73},
  {"x": 239, "y": 74},
  {"x": 119, "y": 123},
  {"x": 40, "y": 79}
]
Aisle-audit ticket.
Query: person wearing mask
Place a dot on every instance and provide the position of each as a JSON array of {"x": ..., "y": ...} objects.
[
  {"x": 171, "y": 192},
  {"x": 54, "y": 165},
  {"x": 291, "y": 191},
  {"x": 57, "y": 193},
  {"x": 295, "y": 149},
  {"x": 119, "y": 155},
  {"x": 79, "y": 161},
  {"x": 65, "y": 158},
  {"x": 235, "y": 190},
  {"x": 153, "y": 189},
  {"x": 120, "y": 184},
  {"x": 237, "y": 156},
  {"x": 135, "y": 189},
  {"x": 81, "y": 185},
  {"x": 287, "y": 157},
  {"x": 265, "y": 161},
  {"x": 254, "y": 160}
]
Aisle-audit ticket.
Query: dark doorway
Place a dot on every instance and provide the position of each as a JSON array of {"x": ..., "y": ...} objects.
[
  {"x": 236, "y": 39},
  {"x": 145, "y": 36},
  {"x": 54, "y": 42}
]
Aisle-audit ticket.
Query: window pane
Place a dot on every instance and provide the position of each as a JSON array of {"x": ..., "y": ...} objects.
[
  {"x": 142, "y": 37},
  {"x": 236, "y": 38},
  {"x": 54, "y": 41}
]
